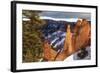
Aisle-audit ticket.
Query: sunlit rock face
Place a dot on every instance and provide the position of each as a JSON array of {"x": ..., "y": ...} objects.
[{"x": 71, "y": 38}]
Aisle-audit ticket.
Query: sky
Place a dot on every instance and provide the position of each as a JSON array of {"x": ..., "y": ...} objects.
[{"x": 65, "y": 15}]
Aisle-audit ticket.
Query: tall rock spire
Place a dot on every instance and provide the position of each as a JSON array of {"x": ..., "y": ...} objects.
[{"x": 68, "y": 40}]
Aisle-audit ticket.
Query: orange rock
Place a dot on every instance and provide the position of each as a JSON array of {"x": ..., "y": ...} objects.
[
  {"x": 49, "y": 53},
  {"x": 68, "y": 40},
  {"x": 81, "y": 38}
]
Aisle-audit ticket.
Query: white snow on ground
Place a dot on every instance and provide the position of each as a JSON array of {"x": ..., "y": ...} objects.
[{"x": 60, "y": 19}]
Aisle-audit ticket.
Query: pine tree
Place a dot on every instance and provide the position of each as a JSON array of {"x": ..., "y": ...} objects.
[{"x": 32, "y": 36}]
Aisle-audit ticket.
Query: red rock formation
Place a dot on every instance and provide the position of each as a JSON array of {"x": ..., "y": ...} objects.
[
  {"x": 49, "y": 53},
  {"x": 81, "y": 38}
]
